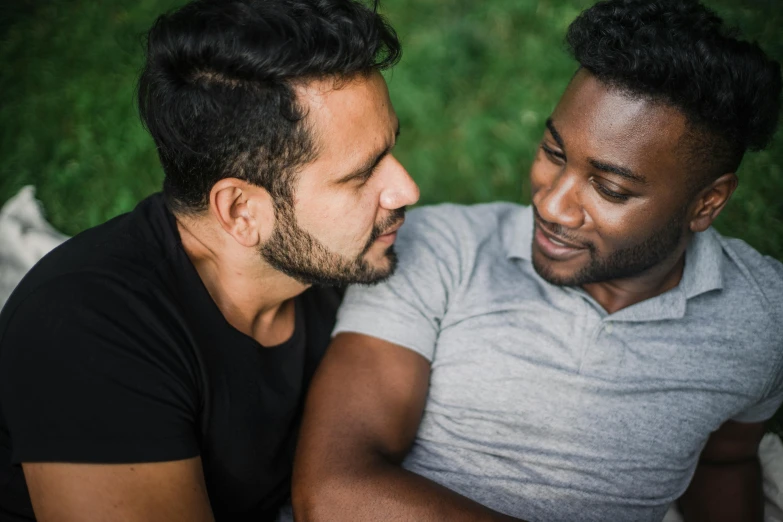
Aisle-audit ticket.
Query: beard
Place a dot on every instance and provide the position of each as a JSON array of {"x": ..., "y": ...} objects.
[
  {"x": 298, "y": 254},
  {"x": 623, "y": 263}
]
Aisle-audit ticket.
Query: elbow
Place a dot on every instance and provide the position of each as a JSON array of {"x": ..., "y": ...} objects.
[{"x": 306, "y": 508}]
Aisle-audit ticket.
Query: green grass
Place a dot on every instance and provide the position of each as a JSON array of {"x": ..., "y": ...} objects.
[{"x": 476, "y": 83}]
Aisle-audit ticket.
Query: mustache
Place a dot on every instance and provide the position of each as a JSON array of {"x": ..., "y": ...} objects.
[
  {"x": 395, "y": 218},
  {"x": 397, "y": 215}
]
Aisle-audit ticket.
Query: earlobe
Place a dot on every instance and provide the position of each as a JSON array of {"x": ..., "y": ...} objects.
[
  {"x": 711, "y": 201},
  {"x": 237, "y": 206}
]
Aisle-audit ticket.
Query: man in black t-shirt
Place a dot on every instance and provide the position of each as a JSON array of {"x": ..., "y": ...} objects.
[{"x": 153, "y": 368}]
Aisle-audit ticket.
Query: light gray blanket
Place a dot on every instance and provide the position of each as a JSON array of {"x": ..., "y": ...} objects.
[{"x": 25, "y": 237}]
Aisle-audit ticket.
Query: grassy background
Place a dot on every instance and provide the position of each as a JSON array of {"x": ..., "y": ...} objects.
[{"x": 476, "y": 83}]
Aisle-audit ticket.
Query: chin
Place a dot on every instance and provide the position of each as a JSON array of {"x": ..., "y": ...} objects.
[
  {"x": 383, "y": 264},
  {"x": 377, "y": 256},
  {"x": 554, "y": 272}
]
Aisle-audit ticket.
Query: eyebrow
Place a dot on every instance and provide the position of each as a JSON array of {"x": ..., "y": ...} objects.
[
  {"x": 371, "y": 163},
  {"x": 620, "y": 171},
  {"x": 556, "y": 135},
  {"x": 597, "y": 164}
]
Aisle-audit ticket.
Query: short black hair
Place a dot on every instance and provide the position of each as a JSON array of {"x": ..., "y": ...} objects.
[
  {"x": 217, "y": 91},
  {"x": 679, "y": 52}
]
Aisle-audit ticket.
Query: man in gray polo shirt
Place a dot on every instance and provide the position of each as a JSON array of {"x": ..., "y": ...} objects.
[{"x": 595, "y": 356}]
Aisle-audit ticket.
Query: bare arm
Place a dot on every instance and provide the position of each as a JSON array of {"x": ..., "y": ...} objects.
[
  {"x": 727, "y": 482},
  {"x": 156, "y": 492},
  {"x": 362, "y": 414}
]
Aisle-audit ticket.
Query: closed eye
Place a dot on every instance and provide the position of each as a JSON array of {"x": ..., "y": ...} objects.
[
  {"x": 365, "y": 176},
  {"x": 610, "y": 194},
  {"x": 553, "y": 155}
]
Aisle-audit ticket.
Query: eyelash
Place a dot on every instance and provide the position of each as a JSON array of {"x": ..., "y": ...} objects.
[
  {"x": 556, "y": 157},
  {"x": 552, "y": 155},
  {"x": 365, "y": 177},
  {"x": 610, "y": 193}
]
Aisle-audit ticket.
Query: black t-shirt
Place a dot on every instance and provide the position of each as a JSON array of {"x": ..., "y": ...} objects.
[{"x": 113, "y": 351}]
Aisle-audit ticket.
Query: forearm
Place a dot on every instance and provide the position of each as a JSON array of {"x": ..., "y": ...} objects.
[
  {"x": 724, "y": 491},
  {"x": 383, "y": 491}
]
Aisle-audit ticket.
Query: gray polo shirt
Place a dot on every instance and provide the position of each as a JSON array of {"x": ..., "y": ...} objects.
[{"x": 542, "y": 405}]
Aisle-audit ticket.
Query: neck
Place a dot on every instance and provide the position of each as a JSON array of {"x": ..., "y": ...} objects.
[
  {"x": 621, "y": 293},
  {"x": 254, "y": 298}
]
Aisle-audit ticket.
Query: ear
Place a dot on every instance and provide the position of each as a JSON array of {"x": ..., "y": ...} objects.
[
  {"x": 244, "y": 211},
  {"x": 711, "y": 200}
]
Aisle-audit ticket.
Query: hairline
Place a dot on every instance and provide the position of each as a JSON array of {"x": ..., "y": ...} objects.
[
  {"x": 289, "y": 176},
  {"x": 695, "y": 134}
]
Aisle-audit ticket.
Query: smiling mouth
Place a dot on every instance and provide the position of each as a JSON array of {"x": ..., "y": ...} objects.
[
  {"x": 559, "y": 242},
  {"x": 554, "y": 247}
]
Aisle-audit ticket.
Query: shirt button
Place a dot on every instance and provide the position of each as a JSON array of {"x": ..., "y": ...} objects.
[{"x": 609, "y": 328}]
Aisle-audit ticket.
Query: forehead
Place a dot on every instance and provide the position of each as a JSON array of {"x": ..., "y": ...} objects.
[
  {"x": 607, "y": 124},
  {"x": 349, "y": 118}
]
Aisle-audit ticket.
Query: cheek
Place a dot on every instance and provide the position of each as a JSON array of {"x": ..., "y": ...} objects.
[
  {"x": 355, "y": 207},
  {"x": 540, "y": 174},
  {"x": 538, "y": 170},
  {"x": 618, "y": 226},
  {"x": 345, "y": 212}
]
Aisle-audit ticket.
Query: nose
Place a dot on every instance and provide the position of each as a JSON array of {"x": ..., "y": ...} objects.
[
  {"x": 400, "y": 189},
  {"x": 558, "y": 201}
]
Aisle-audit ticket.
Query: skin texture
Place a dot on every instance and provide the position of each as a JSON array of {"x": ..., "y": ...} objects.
[
  {"x": 353, "y": 196},
  {"x": 354, "y": 125},
  {"x": 368, "y": 396}
]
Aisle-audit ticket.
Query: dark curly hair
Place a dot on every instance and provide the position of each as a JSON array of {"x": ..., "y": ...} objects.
[
  {"x": 217, "y": 90},
  {"x": 679, "y": 52}
]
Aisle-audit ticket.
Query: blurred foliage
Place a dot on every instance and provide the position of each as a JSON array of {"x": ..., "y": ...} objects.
[{"x": 475, "y": 86}]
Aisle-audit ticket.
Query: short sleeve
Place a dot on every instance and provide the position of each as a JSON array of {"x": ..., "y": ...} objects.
[
  {"x": 92, "y": 370},
  {"x": 772, "y": 400},
  {"x": 761, "y": 412},
  {"x": 766, "y": 408},
  {"x": 407, "y": 308}
]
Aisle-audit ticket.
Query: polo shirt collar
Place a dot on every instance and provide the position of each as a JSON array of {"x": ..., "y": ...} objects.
[
  {"x": 517, "y": 233},
  {"x": 702, "y": 273},
  {"x": 703, "y": 264}
]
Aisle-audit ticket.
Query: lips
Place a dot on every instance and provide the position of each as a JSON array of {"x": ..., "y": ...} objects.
[
  {"x": 391, "y": 234},
  {"x": 557, "y": 239},
  {"x": 554, "y": 247},
  {"x": 394, "y": 229}
]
